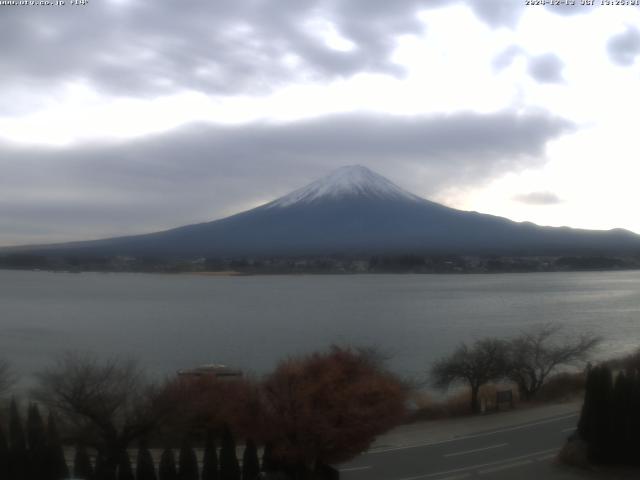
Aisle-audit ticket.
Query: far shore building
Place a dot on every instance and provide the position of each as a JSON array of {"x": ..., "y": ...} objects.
[{"x": 210, "y": 371}]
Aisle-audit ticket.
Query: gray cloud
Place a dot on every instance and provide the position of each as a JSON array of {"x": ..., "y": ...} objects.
[
  {"x": 505, "y": 58},
  {"x": 497, "y": 13},
  {"x": 202, "y": 172},
  {"x": 147, "y": 47},
  {"x": 546, "y": 68},
  {"x": 624, "y": 47},
  {"x": 538, "y": 198},
  {"x": 150, "y": 47}
]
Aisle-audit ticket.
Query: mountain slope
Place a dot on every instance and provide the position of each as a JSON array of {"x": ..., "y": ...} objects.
[{"x": 356, "y": 211}]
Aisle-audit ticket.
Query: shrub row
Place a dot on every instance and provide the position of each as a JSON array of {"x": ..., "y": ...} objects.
[
  {"x": 610, "y": 418},
  {"x": 33, "y": 451}
]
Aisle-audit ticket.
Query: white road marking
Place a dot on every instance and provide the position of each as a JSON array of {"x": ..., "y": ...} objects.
[
  {"x": 482, "y": 465},
  {"x": 467, "y": 437},
  {"x": 572, "y": 429},
  {"x": 547, "y": 457},
  {"x": 504, "y": 467},
  {"x": 354, "y": 469},
  {"x": 476, "y": 450},
  {"x": 456, "y": 477}
]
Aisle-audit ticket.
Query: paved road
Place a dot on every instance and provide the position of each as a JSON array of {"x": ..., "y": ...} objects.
[{"x": 517, "y": 451}]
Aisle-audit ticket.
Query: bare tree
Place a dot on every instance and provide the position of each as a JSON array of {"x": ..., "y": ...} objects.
[
  {"x": 485, "y": 360},
  {"x": 209, "y": 403},
  {"x": 108, "y": 403},
  {"x": 536, "y": 354}
]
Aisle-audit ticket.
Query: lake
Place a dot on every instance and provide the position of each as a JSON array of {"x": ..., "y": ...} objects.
[{"x": 171, "y": 322}]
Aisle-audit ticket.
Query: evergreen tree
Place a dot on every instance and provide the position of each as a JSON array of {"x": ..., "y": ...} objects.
[
  {"x": 188, "y": 462},
  {"x": 634, "y": 421},
  {"x": 602, "y": 451},
  {"x": 596, "y": 420},
  {"x": 18, "y": 455},
  {"x": 57, "y": 465},
  {"x": 167, "y": 469},
  {"x": 37, "y": 441},
  {"x": 229, "y": 467},
  {"x": 250, "y": 462},
  {"x": 268, "y": 463},
  {"x": 210, "y": 458},
  {"x": 586, "y": 423},
  {"x": 610, "y": 417},
  {"x": 82, "y": 467},
  {"x": 4, "y": 455},
  {"x": 622, "y": 440},
  {"x": 101, "y": 467},
  {"x": 145, "y": 469},
  {"x": 36, "y": 432},
  {"x": 125, "y": 472}
]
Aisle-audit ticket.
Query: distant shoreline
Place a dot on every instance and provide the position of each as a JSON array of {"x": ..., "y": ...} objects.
[
  {"x": 224, "y": 273},
  {"x": 235, "y": 273},
  {"x": 327, "y": 264}
]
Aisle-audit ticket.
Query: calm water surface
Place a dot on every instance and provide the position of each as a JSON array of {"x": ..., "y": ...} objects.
[{"x": 177, "y": 321}]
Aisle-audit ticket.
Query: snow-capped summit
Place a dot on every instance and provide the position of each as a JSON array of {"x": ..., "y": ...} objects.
[{"x": 348, "y": 181}]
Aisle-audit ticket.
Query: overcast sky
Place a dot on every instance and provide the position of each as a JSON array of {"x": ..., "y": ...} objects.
[{"x": 129, "y": 116}]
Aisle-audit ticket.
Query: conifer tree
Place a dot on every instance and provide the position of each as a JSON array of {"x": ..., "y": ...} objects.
[
  {"x": 57, "y": 465},
  {"x": 145, "y": 469},
  {"x": 210, "y": 458},
  {"x": 36, "y": 432},
  {"x": 610, "y": 417},
  {"x": 250, "y": 462},
  {"x": 167, "y": 469},
  {"x": 188, "y": 462},
  {"x": 37, "y": 441},
  {"x": 229, "y": 467},
  {"x": 268, "y": 463},
  {"x": 586, "y": 423},
  {"x": 634, "y": 421},
  {"x": 82, "y": 467},
  {"x": 4, "y": 455},
  {"x": 101, "y": 472},
  {"x": 596, "y": 420},
  {"x": 602, "y": 451},
  {"x": 622, "y": 441},
  {"x": 18, "y": 456},
  {"x": 125, "y": 472}
]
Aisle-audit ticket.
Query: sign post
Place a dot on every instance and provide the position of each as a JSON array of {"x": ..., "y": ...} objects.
[{"x": 504, "y": 396}]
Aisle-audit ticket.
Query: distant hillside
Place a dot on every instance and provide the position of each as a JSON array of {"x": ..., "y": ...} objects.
[{"x": 354, "y": 211}]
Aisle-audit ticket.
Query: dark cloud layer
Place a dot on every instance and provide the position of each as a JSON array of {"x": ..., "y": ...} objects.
[
  {"x": 624, "y": 47},
  {"x": 204, "y": 172},
  {"x": 150, "y": 46},
  {"x": 146, "y": 47}
]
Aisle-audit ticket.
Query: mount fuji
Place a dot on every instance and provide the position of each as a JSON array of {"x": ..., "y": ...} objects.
[{"x": 355, "y": 211}]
